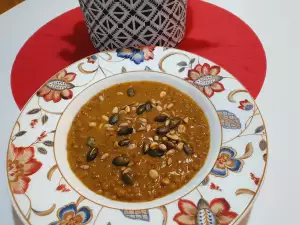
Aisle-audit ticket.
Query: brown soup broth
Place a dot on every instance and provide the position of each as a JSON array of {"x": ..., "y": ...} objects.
[{"x": 138, "y": 141}]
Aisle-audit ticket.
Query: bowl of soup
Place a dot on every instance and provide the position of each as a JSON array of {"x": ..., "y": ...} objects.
[{"x": 137, "y": 140}]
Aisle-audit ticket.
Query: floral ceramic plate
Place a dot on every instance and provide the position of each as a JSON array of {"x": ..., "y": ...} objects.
[{"x": 41, "y": 194}]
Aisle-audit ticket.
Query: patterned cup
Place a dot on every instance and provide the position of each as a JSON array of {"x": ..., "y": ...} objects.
[{"x": 130, "y": 23}]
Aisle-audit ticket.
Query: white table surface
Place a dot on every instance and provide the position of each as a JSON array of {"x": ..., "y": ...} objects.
[{"x": 276, "y": 23}]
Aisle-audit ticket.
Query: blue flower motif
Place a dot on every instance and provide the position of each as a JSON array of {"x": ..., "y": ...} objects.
[
  {"x": 227, "y": 161},
  {"x": 92, "y": 59},
  {"x": 137, "y": 55},
  {"x": 245, "y": 105},
  {"x": 69, "y": 215}
]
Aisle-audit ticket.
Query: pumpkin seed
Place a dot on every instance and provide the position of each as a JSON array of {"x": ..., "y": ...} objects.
[
  {"x": 170, "y": 106},
  {"x": 159, "y": 108},
  {"x": 143, "y": 120},
  {"x": 142, "y": 128},
  {"x": 100, "y": 126},
  {"x": 127, "y": 178},
  {"x": 169, "y": 162},
  {"x": 130, "y": 92},
  {"x": 141, "y": 109},
  {"x": 121, "y": 161},
  {"x": 162, "y": 147},
  {"x": 181, "y": 129},
  {"x": 125, "y": 131},
  {"x": 132, "y": 146},
  {"x": 163, "y": 94},
  {"x": 161, "y": 118},
  {"x": 153, "y": 174},
  {"x": 167, "y": 122},
  {"x": 186, "y": 120},
  {"x": 173, "y": 137},
  {"x": 174, "y": 123},
  {"x": 180, "y": 145},
  {"x": 188, "y": 149},
  {"x": 93, "y": 124},
  {"x": 101, "y": 98},
  {"x": 156, "y": 153},
  {"x": 85, "y": 167},
  {"x": 127, "y": 170},
  {"x": 166, "y": 181},
  {"x": 154, "y": 145},
  {"x": 148, "y": 127},
  {"x": 169, "y": 144},
  {"x": 114, "y": 119},
  {"x": 145, "y": 148},
  {"x": 162, "y": 130},
  {"x": 170, "y": 152},
  {"x": 91, "y": 142},
  {"x": 123, "y": 125},
  {"x": 115, "y": 110},
  {"x": 92, "y": 154},
  {"x": 104, "y": 156},
  {"x": 127, "y": 109},
  {"x": 120, "y": 93},
  {"x": 148, "y": 106},
  {"x": 124, "y": 142}
]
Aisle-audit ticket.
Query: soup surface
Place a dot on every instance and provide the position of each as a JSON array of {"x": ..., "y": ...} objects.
[{"x": 138, "y": 141}]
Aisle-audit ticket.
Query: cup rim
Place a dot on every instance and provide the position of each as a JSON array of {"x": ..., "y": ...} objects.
[{"x": 60, "y": 138}]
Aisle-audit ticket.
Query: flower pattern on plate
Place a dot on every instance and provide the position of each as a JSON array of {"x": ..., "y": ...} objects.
[
  {"x": 216, "y": 213},
  {"x": 92, "y": 59},
  {"x": 69, "y": 215},
  {"x": 206, "y": 78},
  {"x": 245, "y": 105},
  {"x": 58, "y": 87},
  {"x": 137, "y": 54},
  {"x": 227, "y": 161},
  {"x": 21, "y": 164}
]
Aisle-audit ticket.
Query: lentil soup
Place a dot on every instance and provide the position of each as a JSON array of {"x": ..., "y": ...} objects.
[{"x": 138, "y": 141}]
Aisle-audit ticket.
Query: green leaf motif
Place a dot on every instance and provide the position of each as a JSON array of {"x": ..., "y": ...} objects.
[
  {"x": 33, "y": 111},
  {"x": 44, "y": 119},
  {"x": 259, "y": 129},
  {"x": 181, "y": 69},
  {"x": 192, "y": 61},
  {"x": 182, "y": 63},
  {"x": 42, "y": 150},
  {"x": 20, "y": 133},
  {"x": 48, "y": 143}
]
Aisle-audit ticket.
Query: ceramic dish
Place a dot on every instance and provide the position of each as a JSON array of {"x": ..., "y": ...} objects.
[{"x": 45, "y": 191}]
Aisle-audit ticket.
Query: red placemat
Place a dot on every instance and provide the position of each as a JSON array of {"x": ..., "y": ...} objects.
[{"x": 212, "y": 32}]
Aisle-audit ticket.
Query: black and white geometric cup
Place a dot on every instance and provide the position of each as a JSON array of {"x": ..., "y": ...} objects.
[{"x": 130, "y": 23}]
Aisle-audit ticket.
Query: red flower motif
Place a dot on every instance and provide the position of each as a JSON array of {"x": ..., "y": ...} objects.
[
  {"x": 21, "y": 164},
  {"x": 62, "y": 188},
  {"x": 33, "y": 123},
  {"x": 245, "y": 105},
  {"x": 148, "y": 51},
  {"x": 255, "y": 179},
  {"x": 215, "y": 187},
  {"x": 58, "y": 87},
  {"x": 42, "y": 136},
  {"x": 206, "y": 79},
  {"x": 218, "y": 206}
]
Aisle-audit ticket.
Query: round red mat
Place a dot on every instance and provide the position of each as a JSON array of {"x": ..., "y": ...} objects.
[{"x": 212, "y": 32}]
